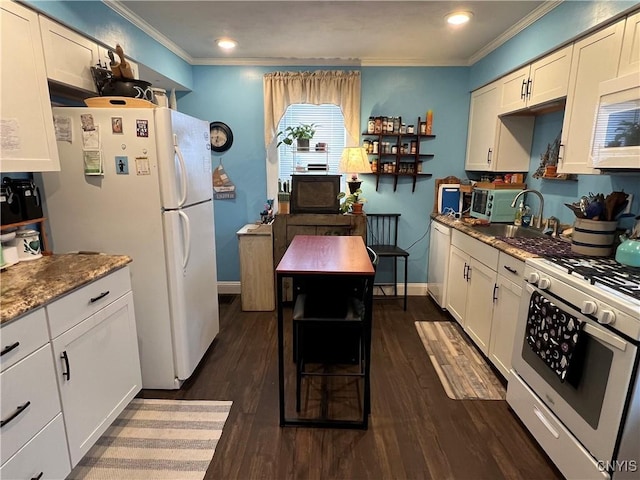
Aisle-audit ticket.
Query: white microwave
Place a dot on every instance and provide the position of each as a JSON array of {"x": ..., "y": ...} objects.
[{"x": 615, "y": 143}]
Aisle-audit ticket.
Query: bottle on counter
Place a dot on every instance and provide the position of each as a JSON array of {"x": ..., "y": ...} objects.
[{"x": 517, "y": 221}]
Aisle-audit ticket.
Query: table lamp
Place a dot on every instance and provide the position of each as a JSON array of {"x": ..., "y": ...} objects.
[{"x": 354, "y": 160}]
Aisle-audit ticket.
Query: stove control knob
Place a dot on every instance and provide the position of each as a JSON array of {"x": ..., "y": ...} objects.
[
  {"x": 607, "y": 317},
  {"x": 544, "y": 283},
  {"x": 533, "y": 278},
  {"x": 589, "y": 307}
]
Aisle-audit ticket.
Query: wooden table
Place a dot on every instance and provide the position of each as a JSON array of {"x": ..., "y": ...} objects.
[{"x": 330, "y": 256}]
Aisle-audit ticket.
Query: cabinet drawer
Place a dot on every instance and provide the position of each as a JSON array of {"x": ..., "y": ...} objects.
[
  {"x": 75, "y": 307},
  {"x": 552, "y": 436},
  {"x": 475, "y": 248},
  {"x": 22, "y": 337},
  {"x": 511, "y": 268},
  {"x": 31, "y": 380},
  {"x": 45, "y": 453}
]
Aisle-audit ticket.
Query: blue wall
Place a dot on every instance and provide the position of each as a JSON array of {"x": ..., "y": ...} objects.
[{"x": 234, "y": 95}]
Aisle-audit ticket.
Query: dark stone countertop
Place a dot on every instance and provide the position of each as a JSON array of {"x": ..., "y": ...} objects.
[
  {"x": 35, "y": 283},
  {"x": 520, "y": 248}
]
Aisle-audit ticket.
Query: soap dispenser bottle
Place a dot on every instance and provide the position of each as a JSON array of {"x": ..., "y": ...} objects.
[{"x": 519, "y": 212}]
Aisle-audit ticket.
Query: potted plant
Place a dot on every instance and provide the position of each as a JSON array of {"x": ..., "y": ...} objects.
[
  {"x": 302, "y": 134},
  {"x": 352, "y": 202}
]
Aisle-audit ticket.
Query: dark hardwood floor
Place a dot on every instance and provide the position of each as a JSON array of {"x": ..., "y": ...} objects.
[{"x": 415, "y": 430}]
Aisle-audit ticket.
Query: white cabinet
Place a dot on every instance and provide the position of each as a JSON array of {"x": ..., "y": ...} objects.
[
  {"x": 630, "y": 55},
  {"x": 496, "y": 143},
  {"x": 483, "y": 120},
  {"x": 457, "y": 286},
  {"x": 439, "y": 244},
  {"x": 68, "y": 55},
  {"x": 540, "y": 82},
  {"x": 97, "y": 364},
  {"x": 506, "y": 302},
  {"x": 29, "y": 403},
  {"x": 471, "y": 286},
  {"x": 26, "y": 126},
  {"x": 482, "y": 281},
  {"x": 595, "y": 59}
]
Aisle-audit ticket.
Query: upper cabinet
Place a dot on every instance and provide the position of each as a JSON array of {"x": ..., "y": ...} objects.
[
  {"x": 540, "y": 82},
  {"x": 26, "y": 124},
  {"x": 630, "y": 56},
  {"x": 595, "y": 59},
  {"x": 68, "y": 55},
  {"x": 496, "y": 144}
]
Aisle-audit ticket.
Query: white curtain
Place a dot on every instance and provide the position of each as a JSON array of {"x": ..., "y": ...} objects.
[{"x": 282, "y": 89}]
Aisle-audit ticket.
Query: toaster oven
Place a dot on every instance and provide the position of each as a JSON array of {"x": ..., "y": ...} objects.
[{"x": 493, "y": 205}]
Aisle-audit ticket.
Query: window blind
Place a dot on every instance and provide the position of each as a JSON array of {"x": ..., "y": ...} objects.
[{"x": 329, "y": 129}]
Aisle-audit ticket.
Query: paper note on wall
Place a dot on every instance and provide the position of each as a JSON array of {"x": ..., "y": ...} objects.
[
  {"x": 63, "y": 127},
  {"x": 91, "y": 138}
]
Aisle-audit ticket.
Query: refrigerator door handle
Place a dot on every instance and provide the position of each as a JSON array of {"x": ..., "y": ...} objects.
[
  {"x": 183, "y": 173},
  {"x": 186, "y": 239}
]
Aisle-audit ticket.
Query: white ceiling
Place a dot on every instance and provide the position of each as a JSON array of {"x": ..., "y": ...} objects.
[{"x": 365, "y": 32}]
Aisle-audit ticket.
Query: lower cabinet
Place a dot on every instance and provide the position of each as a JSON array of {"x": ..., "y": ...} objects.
[
  {"x": 32, "y": 437},
  {"x": 505, "y": 312},
  {"x": 457, "y": 286},
  {"x": 98, "y": 371},
  {"x": 483, "y": 295},
  {"x": 482, "y": 287},
  {"x": 44, "y": 457}
]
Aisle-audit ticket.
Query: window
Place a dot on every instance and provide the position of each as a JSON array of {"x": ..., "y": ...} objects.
[{"x": 330, "y": 129}]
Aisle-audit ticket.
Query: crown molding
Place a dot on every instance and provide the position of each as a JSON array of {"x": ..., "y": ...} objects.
[
  {"x": 128, "y": 15},
  {"x": 534, "y": 16}
]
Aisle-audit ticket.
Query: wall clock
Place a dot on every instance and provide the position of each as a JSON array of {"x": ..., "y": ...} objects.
[{"x": 221, "y": 136}]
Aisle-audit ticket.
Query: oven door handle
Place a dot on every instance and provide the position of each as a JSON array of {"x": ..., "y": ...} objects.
[
  {"x": 606, "y": 337},
  {"x": 545, "y": 422},
  {"x": 589, "y": 326}
]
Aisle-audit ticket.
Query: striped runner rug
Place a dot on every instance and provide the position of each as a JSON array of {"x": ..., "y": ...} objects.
[
  {"x": 157, "y": 439},
  {"x": 463, "y": 372}
]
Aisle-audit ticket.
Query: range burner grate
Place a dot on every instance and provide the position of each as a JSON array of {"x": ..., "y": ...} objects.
[{"x": 604, "y": 271}]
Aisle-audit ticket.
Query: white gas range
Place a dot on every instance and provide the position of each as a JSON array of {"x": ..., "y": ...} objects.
[{"x": 575, "y": 364}]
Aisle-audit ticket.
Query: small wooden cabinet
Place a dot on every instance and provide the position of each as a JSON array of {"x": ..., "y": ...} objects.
[
  {"x": 401, "y": 163},
  {"x": 28, "y": 137},
  {"x": 255, "y": 246}
]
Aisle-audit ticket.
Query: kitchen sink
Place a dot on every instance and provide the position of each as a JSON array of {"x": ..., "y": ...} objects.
[{"x": 509, "y": 231}]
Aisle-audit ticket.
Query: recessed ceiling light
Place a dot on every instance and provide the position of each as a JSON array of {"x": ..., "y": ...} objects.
[
  {"x": 458, "y": 18},
  {"x": 226, "y": 43}
]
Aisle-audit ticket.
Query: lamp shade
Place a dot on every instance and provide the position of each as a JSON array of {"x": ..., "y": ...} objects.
[{"x": 354, "y": 160}]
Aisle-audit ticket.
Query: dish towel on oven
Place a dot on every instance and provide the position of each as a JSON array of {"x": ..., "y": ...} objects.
[{"x": 552, "y": 334}]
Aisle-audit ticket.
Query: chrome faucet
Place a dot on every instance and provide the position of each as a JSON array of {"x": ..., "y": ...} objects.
[{"x": 539, "y": 216}]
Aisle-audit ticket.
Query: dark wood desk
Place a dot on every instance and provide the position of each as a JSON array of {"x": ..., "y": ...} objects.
[{"x": 330, "y": 256}]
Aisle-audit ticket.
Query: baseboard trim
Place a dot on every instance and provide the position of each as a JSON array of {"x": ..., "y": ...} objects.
[{"x": 229, "y": 288}]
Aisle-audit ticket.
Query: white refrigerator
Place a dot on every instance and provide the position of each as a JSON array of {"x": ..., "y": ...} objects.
[{"x": 151, "y": 201}]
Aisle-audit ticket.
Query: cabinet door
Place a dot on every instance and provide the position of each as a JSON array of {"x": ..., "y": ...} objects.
[
  {"x": 98, "y": 371},
  {"x": 513, "y": 144},
  {"x": 630, "y": 56},
  {"x": 549, "y": 77},
  {"x": 483, "y": 119},
  {"x": 457, "y": 284},
  {"x": 28, "y": 138},
  {"x": 68, "y": 55},
  {"x": 513, "y": 95},
  {"x": 595, "y": 59},
  {"x": 482, "y": 281},
  {"x": 503, "y": 325}
]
